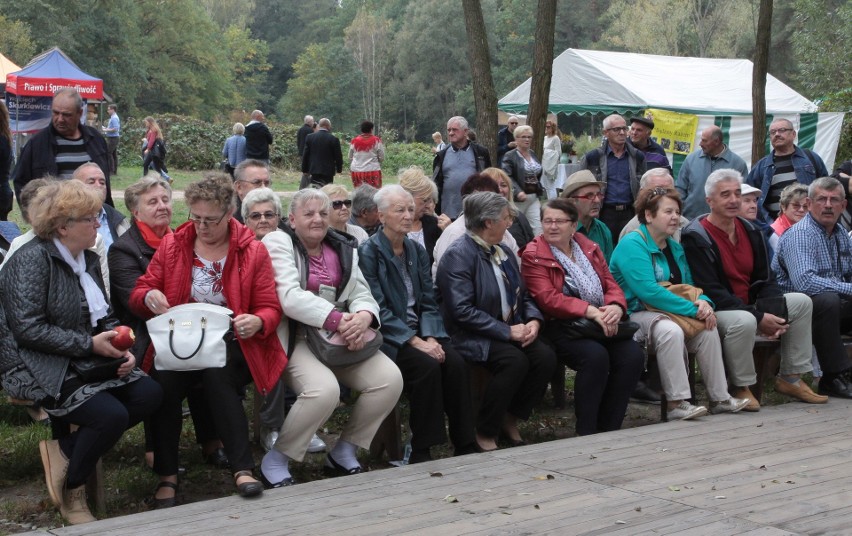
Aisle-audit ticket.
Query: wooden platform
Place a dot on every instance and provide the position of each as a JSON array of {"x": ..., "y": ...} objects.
[{"x": 785, "y": 470}]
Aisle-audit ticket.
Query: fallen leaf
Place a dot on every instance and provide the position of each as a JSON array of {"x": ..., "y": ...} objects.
[
  {"x": 763, "y": 467},
  {"x": 674, "y": 488},
  {"x": 234, "y": 517},
  {"x": 537, "y": 507},
  {"x": 776, "y": 481},
  {"x": 720, "y": 497},
  {"x": 525, "y": 493},
  {"x": 638, "y": 508},
  {"x": 507, "y": 513},
  {"x": 551, "y": 477},
  {"x": 713, "y": 488},
  {"x": 789, "y": 482},
  {"x": 759, "y": 425},
  {"x": 593, "y": 457},
  {"x": 763, "y": 485},
  {"x": 436, "y": 473},
  {"x": 450, "y": 499},
  {"x": 620, "y": 522}
]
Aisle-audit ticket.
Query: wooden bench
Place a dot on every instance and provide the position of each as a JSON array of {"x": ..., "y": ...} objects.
[{"x": 95, "y": 488}]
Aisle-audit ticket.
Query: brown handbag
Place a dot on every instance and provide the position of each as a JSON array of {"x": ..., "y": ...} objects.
[{"x": 690, "y": 326}]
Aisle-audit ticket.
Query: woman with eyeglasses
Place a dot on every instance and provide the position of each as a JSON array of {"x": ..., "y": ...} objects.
[
  {"x": 57, "y": 317},
  {"x": 568, "y": 277},
  {"x": 524, "y": 168},
  {"x": 794, "y": 206},
  {"x": 341, "y": 212},
  {"x": 426, "y": 227},
  {"x": 214, "y": 259},
  {"x": 642, "y": 260}
]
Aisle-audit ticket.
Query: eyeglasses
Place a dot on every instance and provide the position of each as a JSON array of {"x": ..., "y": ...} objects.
[
  {"x": 556, "y": 221},
  {"x": 337, "y": 205},
  {"x": 206, "y": 222},
  {"x": 257, "y": 183},
  {"x": 91, "y": 220},
  {"x": 618, "y": 129},
  {"x": 823, "y": 200},
  {"x": 798, "y": 206},
  {"x": 256, "y": 216},
  {"x": 589, "y": 196},
  {"x": 779, "y": 131}
]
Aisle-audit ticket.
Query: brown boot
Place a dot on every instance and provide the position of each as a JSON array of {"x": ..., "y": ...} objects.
[
  {"x": 55, "y": 469},
  {"x": 74, "y": 507}
]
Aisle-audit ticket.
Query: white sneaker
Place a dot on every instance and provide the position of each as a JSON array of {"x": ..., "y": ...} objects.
[
  {"x": 731, "y": 405},
  {"x": 685, "y": 411},
  {"x": 268, "y": 438},
  {"x": 317, "y": 445}
]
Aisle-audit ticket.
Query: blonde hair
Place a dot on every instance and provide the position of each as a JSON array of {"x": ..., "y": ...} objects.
[
  {"x": 152, "y": 125},
  {"x": 521, "y": 130},
  {"x": 59, "y": 202},
  {"x": 332, "y": 190},
  {"x": 417, "y": 183},
  {"x": 499, "y": 175}
]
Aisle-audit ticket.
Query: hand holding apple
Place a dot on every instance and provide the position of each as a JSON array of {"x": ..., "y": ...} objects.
[{"x": 125, "y": 338}]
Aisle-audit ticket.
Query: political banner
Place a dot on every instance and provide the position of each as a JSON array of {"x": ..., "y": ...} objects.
[
  {"x": 674, "y": 131},
  {"x": 28, "y": 114}
]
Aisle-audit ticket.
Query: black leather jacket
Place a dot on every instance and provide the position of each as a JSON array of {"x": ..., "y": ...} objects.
[{"x": 129, "y": 257}]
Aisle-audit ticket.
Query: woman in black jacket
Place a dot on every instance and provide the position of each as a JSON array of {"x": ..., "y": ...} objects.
[
  {"x": 524, "y": 168},
  {"x": 426, "y": 227}
]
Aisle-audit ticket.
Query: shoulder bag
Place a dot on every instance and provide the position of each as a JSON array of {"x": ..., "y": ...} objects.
[
  {"x": 191, "y": 337},
  {"x": 583, "y": 328},
  {"x": 690, "y": 326}
]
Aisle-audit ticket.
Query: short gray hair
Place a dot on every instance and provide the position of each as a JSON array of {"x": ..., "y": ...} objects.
[
  {"x": 656, "y": 172},
  {"x": 362, "y": 199},
  {"x": 309, "y": 194},
  {"x": 386, "y": 193},
  {"x": 260, "y": 195},
  {"x": 721, "y": 175},
  {"x": 144, "y": 185},
  {"x": 461, "y": 121},
  {"x": 247, "y": 163},
  {"x": 607, "y": 122},
  {"x": 829, "y": 184},
  {"x": 239, "y": 129},
  {"x": 309, "y": 120},
  {"x": 481, "y": 207},
  {"x": 792, "y": 192},
  {"x": 70, "y": 92},
  {"x": 325, "y": 123}
]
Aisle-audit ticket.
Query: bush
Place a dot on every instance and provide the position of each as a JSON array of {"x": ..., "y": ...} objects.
[{"x": 399, "y": 156}]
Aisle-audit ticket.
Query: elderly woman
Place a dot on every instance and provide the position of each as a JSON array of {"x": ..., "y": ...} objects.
[
  {"x": 58, "y": 315},
  {"x": 550, "y": 158},
  {"x": 149, "y": 202},
  {"x": 314, "y": 267},
  {"x": 261, "y": 210},
  {"x": 568, "y": 277},
  {"x": 213, "y": 259},
  {"x": 492, "y": 319},
  {"x": 435, "y": 376},
  {"x": 426, "y": 227},
  {"x": 366, "y": 152},
  {"x": 794, "y": 206},
  {"x": 234, "y": 150},
  {"x": 341, "y": 212},
  {"x": 520, "y": 229},
  {"x": 524, "y": 168},
  {"x": 642, "y": 260}
]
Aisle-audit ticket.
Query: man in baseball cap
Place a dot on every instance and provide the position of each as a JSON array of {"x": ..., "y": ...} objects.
[
  {"x": 640, "y": 137},
  {"x": 587, "y": 194}
]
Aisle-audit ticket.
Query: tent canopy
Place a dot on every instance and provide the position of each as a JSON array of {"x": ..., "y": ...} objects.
[
  {"x": 52, "y": 71},
  {"x": 590, "y": 81},
  {"x": 6, "y": 67}
]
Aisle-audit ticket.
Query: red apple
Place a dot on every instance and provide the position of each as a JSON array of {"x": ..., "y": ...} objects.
[{"x": 125, "y": 338}]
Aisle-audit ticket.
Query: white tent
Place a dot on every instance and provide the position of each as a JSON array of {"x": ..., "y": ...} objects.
[{"x": 716, "y": 90}]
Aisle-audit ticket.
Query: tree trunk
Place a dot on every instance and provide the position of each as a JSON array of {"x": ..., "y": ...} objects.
[
  {"x": 545, "y": 27},
  {"x": 484, "y": 96},
  {"x": 758, "y": 80}
]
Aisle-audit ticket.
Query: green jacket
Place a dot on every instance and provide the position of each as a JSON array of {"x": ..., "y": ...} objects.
[
  {"x": 600, "y": 234},
  {"x": 639, "y": 265}
]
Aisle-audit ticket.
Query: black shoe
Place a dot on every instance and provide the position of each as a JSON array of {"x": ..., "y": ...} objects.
[
  {"x": 837, "y": 387},
  {"x": 248, "y": 489},
  {"x": 289, "y": 481},
  {"x": 645, "y": 395},
  {"x": 217, "y": 458},
  {"x": 168, "y": 502},
  {"x": 420, "y": 456},
  {"x": 335, "y": 469}
]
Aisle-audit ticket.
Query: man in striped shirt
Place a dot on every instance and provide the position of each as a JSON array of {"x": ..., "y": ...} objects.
[{"x": 63, "y": 146}]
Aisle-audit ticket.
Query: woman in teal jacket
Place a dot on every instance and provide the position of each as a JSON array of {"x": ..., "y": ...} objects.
[{"x": 642, "y": 260}]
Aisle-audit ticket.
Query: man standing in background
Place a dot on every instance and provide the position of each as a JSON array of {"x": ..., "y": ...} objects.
[
  {"x": 258, "y": 138},
  {"x": 112, "y": 132}
]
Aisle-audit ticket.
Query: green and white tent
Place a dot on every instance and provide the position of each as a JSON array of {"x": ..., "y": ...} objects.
[{"x": 718, "y": 91}]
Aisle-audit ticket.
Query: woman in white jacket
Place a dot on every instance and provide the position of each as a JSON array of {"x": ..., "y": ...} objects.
[
  {"x": 315, "y": 266},
  {"x": 550, "y": 158}
]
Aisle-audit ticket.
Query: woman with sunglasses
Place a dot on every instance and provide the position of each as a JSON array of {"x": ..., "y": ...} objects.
[
  {"x": 341, "y": 212},
  {"x": 214, "y": 259},
  {"x": 794, "y": 206}
]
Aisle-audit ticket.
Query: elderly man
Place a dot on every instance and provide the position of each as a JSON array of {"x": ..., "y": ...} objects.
[
  {"x": 698, "y": 165},
  {"x": 640, "y": 137},
  {"x": 258, "y": 138},
  {"x": 506, "y": 138},
  {"x": 365, "y": 212},
  {"x": 453, "y": 165},
  {"x": 586, "y": 193},
  {"x": 620, "y": 166},
  {"x": 63, "y": 146},
  {"x": 654, "y": 178},
  {"x": 786, "y": 164},
  {"x": 323, "y": 156},
  {"x": 113, "y": 135},
  {"x": 249, "y": 175},
  {"x": 304, "y": 131},
  {"x": 112, "y": 222},
  {"x": 729, "y": 260},
  {"x": 748, "y": 207},
  {"x": 815, "y": 257}
]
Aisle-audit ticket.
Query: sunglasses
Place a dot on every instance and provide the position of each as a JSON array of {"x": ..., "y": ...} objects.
[
  {"x": 256, "y": 216},
  {"x": 337, "y": 205}
]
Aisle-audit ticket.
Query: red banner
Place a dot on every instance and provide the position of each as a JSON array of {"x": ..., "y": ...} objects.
[{"x": 46, "y": 87}]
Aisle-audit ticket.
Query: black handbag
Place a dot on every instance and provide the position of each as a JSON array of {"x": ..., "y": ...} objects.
[
  {"x": 583, "y": 328},
  {"x": 97, "y": 368}
]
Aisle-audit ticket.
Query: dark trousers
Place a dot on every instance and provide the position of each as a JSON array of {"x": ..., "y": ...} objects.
[
  {"x": 157, "y": 163},
  {"x": 112, "y": 153},
  {"x": 832, "y": 317},
  {"x": 223, "y": 393},
  {"x": 519, "y": 379},
  {"x": 102, "y": 420},
  {"x": 434, "y": 389},
  {"x": 275, "y": 405},
  {"x": 615, "y": 220},
  {"x": 607, "y": 373},
  {"x": 318, "y": 181},
  {"x": 202, "y": 419}
]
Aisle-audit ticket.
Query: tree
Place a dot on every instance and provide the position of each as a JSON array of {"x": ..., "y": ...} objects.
[
  {"x": 542, "y": 70},
  {"x": 367, "y": 39},
  {"x": 758, "y": 80},
  {"x": 16, "y": 41},
  {"x": 821, "y": 45},
  {"x": 249, "y": 65},
  {"x": 484, "y": 96}
]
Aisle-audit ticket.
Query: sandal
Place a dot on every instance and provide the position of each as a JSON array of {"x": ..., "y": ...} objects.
[
  {"x": 168, "y": 502},
  {"x": 247, "y": 489}
]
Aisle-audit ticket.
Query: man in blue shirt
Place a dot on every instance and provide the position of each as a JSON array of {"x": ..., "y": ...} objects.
[
  {"x": 814, "y": 257},
  {"x": 112, "y": 132}
]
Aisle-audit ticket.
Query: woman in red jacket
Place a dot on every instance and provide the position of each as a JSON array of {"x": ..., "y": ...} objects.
[
  {"x": 567, "y": 276},
  {"x": 214, "y": 259}
]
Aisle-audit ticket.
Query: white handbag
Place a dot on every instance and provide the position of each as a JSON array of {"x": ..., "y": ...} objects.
[{"x": 190, "y": 337}]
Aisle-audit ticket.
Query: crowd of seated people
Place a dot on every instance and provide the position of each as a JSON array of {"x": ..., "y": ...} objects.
[{"x": 478, "y": 294}]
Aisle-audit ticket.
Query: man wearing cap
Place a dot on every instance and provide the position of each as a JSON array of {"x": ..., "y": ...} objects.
[
  {"x": 698, "y": 165},
  {"x": 654, "y": 178},
  {"x": 729, "y": 260},
  {"x": 506, "y": 138},
  {"x": 620, "y": 166},
  {"x": 640, "y": 137},
  {"x": 586, "y": 193}
]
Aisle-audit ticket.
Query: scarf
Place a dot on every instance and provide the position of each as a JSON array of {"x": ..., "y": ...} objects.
[
  {"x": 511, "y": 278},
  {"x": 149, "y": 236},
  {"x": 581, "y": 280},
  {"x": 98, "y": 306}
]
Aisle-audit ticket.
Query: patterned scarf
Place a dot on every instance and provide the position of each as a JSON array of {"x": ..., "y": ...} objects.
[
  {"x": 511, "y": 278},
  {"x": 581, "y": 280}
]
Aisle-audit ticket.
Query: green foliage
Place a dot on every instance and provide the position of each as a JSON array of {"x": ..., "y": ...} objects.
[
  {"x": 249, "y": 65},
  {"x": 16, "y": 42},
  {"x": 841, "y": 101},
  {"x": 822, "y": 44},
  {"x": 399, "y": 156}
]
